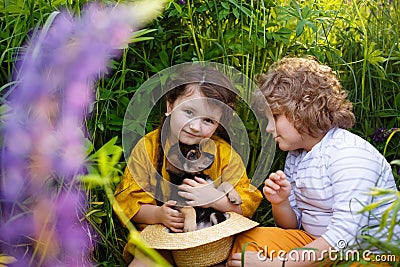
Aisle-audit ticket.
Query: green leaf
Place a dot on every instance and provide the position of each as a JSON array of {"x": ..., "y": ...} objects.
[
  {"x": 385, "y": 216},
  {"x": 177, "y": 7},
  {"x": 235, "y": 13},
  {"x": 395, "y": 162},
  {"x": 164, "y": 58},
  {"x": 312, "y": 25},
  {"x": 108, "y": 149},
  {"x": 393, "y": 221},
  {"x": 393, "y": 248},
  {"x": 93, "y": 179},
  {"x": 374, "y": 56},
  {"x": 382, "y": 191},
  {"x": 96, "y": 212},
  {"x": 300, "y": 27},
  {"x": 225, "y": 5},
  {"x": 373, "y": 205},
  {"x": 241, "y": 8},
  {"x": 202, "y": 8},
  {"x": 388, "y": 140},
  {"x": 282, "y": 35},
  {"x": 138, "y": 35},
  {"x": 296, "y": 12},
  {"x": 223, "y": 13}
]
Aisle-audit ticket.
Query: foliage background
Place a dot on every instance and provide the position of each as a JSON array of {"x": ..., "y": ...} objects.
[{"x": 357, "y": 38}]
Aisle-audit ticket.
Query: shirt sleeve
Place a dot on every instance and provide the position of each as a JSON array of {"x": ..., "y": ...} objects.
[
  {"x": 353, "y": 171},
  {"x": 288, "y": 169}
]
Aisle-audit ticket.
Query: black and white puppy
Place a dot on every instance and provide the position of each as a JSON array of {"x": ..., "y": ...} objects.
[{"x": 186, "y": 162}]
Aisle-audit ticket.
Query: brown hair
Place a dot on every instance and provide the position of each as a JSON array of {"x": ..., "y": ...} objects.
[
  {"x": 212, "y": 84},
  {"x": 308, "y": 93}
]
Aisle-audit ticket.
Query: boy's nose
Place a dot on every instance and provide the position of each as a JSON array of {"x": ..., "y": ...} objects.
[{"x": 270, "y": 127}]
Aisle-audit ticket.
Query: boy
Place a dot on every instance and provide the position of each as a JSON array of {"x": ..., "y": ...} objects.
[{"x": 328, "y": 172}]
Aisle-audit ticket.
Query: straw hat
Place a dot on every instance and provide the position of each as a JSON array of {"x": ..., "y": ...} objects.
[{"x": 200, "y": 248}]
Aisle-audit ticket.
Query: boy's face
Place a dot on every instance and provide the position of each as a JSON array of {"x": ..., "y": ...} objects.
[
  {"x": 288, "y": 138},
  {"x": 193, "y": 118},
  {"x": 285, "y": 134}
]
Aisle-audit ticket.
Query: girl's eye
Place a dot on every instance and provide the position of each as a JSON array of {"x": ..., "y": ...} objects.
[
  {"x": 189, "y": 112},
  {"x": 210, "y": 121}
]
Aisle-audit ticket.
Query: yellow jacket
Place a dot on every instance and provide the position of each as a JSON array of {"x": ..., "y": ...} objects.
[{"x": 138, "y": 182}]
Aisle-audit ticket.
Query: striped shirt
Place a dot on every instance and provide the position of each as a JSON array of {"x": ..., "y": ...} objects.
[{"x": 330, "y": 182}]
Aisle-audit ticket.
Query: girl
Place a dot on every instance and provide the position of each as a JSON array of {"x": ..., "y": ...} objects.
[
  {"x": 198, "y": 105},
  {"x": 328, "y": 171}
]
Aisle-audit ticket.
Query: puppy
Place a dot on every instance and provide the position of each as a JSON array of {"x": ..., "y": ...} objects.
[{"x": 188, "y": 161}]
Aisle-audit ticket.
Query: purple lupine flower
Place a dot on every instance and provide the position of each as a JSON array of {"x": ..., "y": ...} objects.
[
  {"x": 42, "y": 203},
  {"x": 381, "y": 134}
]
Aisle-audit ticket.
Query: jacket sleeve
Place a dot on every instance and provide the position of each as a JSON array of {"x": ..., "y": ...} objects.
[
  {"x": 131, "y": 193},
  {"x": 234, "y": 172}
]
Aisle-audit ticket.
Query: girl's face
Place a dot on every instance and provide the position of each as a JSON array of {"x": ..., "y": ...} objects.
[
  {"x": 192, "y": 117},
  {"x": 288, "y": 137}
]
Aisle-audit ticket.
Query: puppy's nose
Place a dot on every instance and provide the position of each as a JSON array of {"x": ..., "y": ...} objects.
[{"x": 192, "y": 155}]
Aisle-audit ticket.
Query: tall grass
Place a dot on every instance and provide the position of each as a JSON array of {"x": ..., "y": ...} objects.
[
  {"x": 375, "y": 90},
  {"x": 18, "y": 19}
]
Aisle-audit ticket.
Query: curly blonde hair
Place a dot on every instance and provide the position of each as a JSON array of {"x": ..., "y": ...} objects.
[{"x": 309, "y": 94}]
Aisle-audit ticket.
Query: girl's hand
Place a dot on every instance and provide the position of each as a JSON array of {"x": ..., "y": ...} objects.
[
  {"x": 170, "y": 217},
  {"x": 276, "y": 188},
  {"x": 199, "y": 192}
]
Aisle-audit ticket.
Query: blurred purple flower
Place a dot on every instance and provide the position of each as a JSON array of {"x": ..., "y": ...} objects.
[
  {"x": 42, "y": 203},
  {"x": 381, "y": 134}
]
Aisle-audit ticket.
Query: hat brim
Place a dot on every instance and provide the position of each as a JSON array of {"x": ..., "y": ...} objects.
[{"x": 157, "y": 236}]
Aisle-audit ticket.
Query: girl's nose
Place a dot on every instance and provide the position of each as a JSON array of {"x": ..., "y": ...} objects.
[{"x": 194, "y": 125}]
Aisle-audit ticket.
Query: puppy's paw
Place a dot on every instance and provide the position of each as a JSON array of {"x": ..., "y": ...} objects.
[
  {"x": 234, "y": 197},
  {"x": 218, "y": 217},
  {"x": 189, "y": 226},
  {"x": 230, "y": 192}
]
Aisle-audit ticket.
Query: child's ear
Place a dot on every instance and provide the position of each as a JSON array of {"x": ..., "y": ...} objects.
[{"x": 170, "y": 107}]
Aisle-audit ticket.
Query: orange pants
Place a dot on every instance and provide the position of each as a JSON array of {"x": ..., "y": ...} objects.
[{"x": 273, "y": 240}]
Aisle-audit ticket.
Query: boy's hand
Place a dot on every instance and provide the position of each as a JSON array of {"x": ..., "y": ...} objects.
[
  {"x": 199, "y": 192},
  {"x": 276, "y": 188},
  {"x": 170, "y": 217}
]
